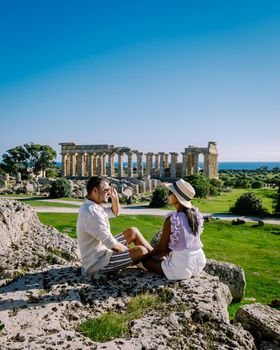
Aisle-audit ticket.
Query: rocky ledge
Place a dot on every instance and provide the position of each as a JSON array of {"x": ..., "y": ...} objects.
[{"x": 44, "y": 297}]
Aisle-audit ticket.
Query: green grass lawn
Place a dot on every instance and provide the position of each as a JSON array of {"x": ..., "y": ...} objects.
[
  {"x": 222, "y": 203},
  {"x": 256, "y": 250}
]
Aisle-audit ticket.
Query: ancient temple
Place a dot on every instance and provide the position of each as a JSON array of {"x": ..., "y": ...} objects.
[{"x": 107, "y": 160}]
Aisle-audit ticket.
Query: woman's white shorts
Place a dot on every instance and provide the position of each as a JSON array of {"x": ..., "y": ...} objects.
[{"x": 183, "y": 264}]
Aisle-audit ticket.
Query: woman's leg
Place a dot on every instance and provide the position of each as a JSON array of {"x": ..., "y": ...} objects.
[
  {"x": 133, "y": 235},
  {"x": 153, "y": 264}
]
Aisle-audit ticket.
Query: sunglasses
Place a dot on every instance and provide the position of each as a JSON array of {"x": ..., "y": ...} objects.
[{"x": 170, "y": 193}]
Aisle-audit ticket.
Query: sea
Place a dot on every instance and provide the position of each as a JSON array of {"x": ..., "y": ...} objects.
[{"x": 229, "y": 165}]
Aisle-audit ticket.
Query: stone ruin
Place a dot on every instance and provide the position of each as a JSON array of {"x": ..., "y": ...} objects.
[
  {"x": 43, "y": 297},
  {"x": 89, "y": 160}
]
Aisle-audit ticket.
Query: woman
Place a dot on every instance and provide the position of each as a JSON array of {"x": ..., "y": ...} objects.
[{"x": 179, "y": 254}]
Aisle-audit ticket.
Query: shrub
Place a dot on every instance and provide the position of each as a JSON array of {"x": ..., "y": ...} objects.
[
  {"x": 216, "y": 183},
  {"x": 257, "y": 184},
  {"x": 159, "y": 198},
  {"x": 60, "y": 188},
  {"x": 242, "y": 183},
  {"x": 200, "y": 183},
  {"x": 248, "y": 204},
  {"x": 214, "y": 191}
]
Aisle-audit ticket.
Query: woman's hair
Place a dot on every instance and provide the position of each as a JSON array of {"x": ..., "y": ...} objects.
[{"x": 192, "y": 219}]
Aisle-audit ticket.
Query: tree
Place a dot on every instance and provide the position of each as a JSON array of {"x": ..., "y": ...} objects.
[
  {"x": 248, "y": 204},
  {"x": 28, "y": 156},
  {"x": 200, "y": 183},
  {"x": 60, "y": 188},
  {"x": 159, "y": 198}
]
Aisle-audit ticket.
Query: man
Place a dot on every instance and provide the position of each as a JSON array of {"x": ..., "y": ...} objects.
[{"x": 100, "y": 251}]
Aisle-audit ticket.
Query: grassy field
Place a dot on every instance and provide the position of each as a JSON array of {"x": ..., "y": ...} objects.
[
  {"x": 222, "y": 203},
  {"x": 256, "y": 250}
]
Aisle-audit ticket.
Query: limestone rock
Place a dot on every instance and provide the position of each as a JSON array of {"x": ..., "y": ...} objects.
[
  {"x": 42, "y": 309},
  {"x": 232, "y": 275},
  {"x": 260, "y": 320},
  {"x": 26, "y": 244}
]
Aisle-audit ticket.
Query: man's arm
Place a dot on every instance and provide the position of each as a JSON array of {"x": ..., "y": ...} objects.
[
  {"x": 116, "y": 208},
  {"x": 119, "y": 247}
]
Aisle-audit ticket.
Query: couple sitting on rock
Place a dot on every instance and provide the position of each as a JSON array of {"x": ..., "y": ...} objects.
[{"x": 178, "y": 254}]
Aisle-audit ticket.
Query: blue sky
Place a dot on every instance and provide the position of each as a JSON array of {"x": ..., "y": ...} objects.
[{"x": 150, "y": 75}]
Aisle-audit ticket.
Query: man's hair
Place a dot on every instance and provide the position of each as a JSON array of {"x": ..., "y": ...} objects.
[{"x": 94, "y": 182}]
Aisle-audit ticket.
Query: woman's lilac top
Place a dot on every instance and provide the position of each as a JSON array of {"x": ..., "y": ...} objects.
[{"x": 181, "y": 236}]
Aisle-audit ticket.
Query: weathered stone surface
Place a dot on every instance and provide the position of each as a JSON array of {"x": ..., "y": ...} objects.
[
  {"x": 41, "y": 307},
  {"x": 260, "y": 320},
  {"x": 232, "y": 275},
  {"x": 26, "y": 244}
]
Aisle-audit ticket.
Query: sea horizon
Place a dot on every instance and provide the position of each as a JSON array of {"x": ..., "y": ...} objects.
[{"x": 227, "y": 165}]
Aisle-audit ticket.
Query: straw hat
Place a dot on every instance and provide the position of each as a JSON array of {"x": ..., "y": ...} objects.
[{"x": 183, "y": 191}]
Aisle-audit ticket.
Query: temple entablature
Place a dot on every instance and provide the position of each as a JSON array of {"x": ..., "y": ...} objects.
[{"x": 81, "y": 161}]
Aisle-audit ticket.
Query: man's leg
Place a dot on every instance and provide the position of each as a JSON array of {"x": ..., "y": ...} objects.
[
  {"x": 121, "y": 260},
  {"x": 118, "y": 261},
  {"x": 133, "y": 235}
]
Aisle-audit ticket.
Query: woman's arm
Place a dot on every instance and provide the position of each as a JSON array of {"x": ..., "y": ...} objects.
[{"x": 162, "y": 246}]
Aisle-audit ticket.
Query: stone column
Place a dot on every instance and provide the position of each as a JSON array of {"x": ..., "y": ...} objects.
[
  {"x": 110, "y": 168},
  {"x": 95, "y": 164},
  {"x": 147, "y": 169},
  {"x": 174, "y": 157},
  {"x": 81, "y": 164},
  {"x": 151, "y": 172},
  {"x": 213, "y": 172},
  {"x": 184, "y": 164},
  {"x": 73, "y": 164},
  {"x": 140, "y": 164},
  {"x": 216, "y": 167},
  {"x": 195, "y": 164},
  {"x": 63, "y": 166},
  {"x": 100, "y": 164},
  {"x": 149, "y": 163},
  {"x": 67, "y": 165},
  {"x": 156, "y": 164},
  {"x": 161, "y": 165},
  {"x": 129, "y": 164},
  {"x": 103, "y": 157},
  {"x": 120, "y": 165},
  {"x": 206, "y": 165},
  {"x": 90, "y": 164},
  {"x": 166, "y": 165}
]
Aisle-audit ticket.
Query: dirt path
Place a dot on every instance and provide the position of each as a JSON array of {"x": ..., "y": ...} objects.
[{"x": 144, "y": 210}]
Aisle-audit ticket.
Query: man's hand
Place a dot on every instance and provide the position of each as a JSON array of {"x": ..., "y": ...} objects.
[
  {"x": 116, "y": 209},
  {"x": 113, "y": 194},
  {"x": 120, "y": 247}
]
